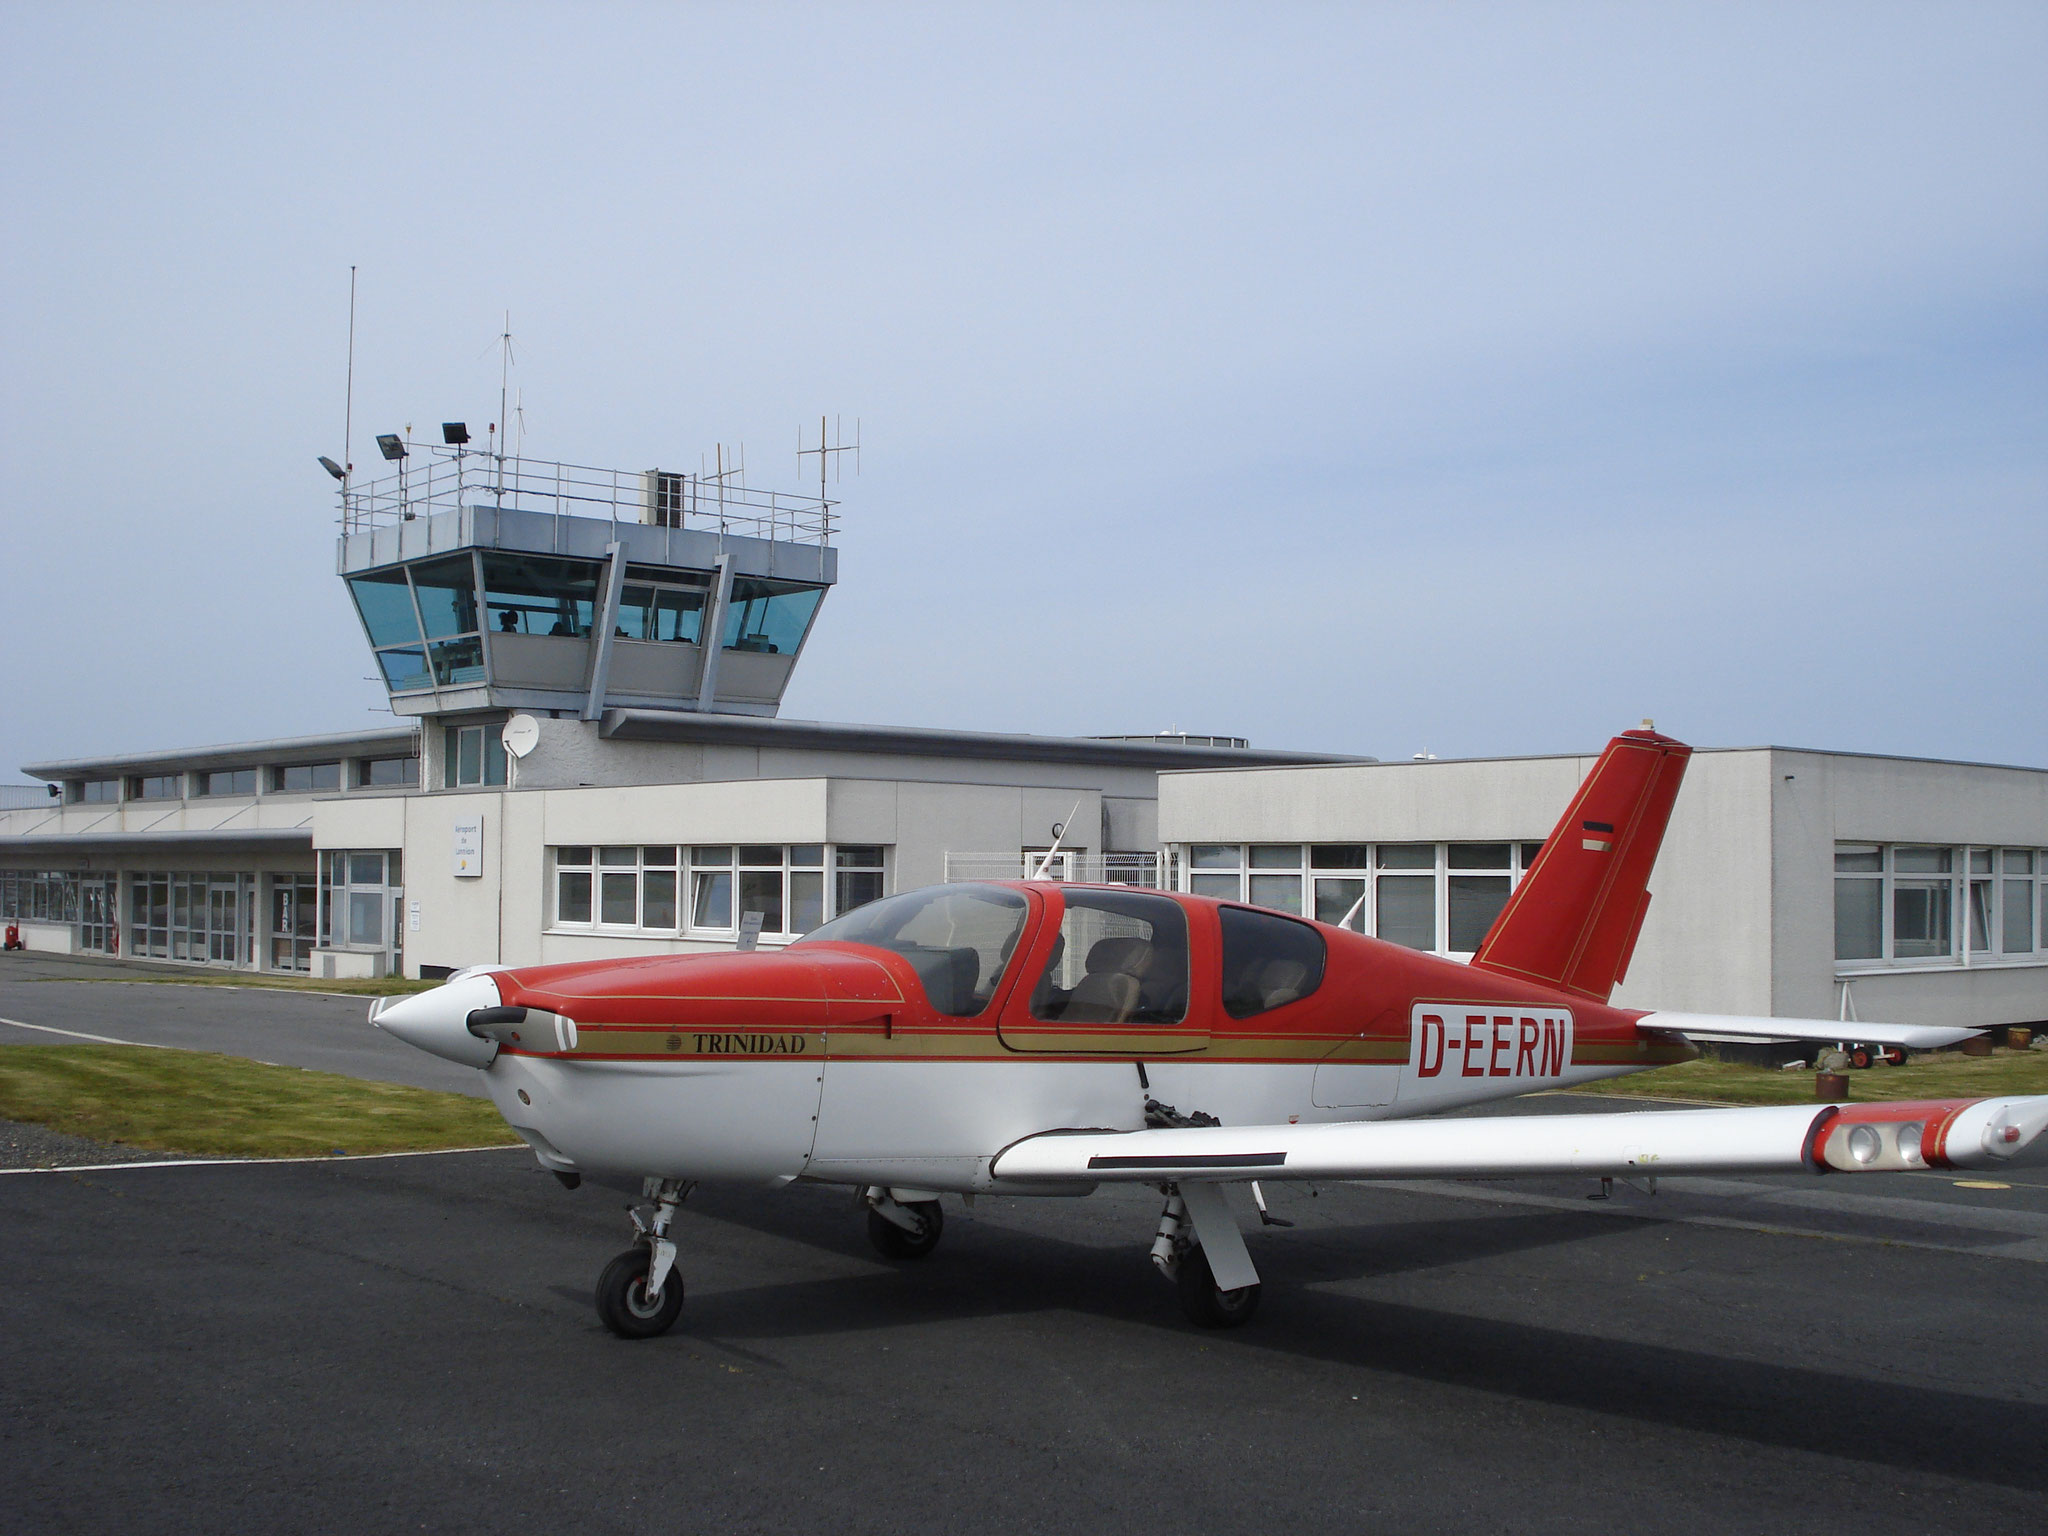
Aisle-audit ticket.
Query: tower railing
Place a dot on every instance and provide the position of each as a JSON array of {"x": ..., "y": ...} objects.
[{"x": 434, "y": 479}]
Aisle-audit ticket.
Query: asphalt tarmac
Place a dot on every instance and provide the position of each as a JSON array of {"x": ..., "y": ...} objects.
[
  {"x": 49, "y": 1000},
  {"x": 408, "y": 1344}
]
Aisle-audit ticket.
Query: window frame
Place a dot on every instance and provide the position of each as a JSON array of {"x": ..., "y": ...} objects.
[
  {"x": 794, "y": 863},
  {"x": 1227, "y": 872},
  {"x": 1971, "y": 868}
]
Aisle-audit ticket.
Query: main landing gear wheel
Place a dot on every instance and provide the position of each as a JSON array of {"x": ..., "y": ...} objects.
[
  {"x": 622, "y": 1297},
  {"x": 1206, "y": 1305},
  {"x": 894, "y": 1242}
]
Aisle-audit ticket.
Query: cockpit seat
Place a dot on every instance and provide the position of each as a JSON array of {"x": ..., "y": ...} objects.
[
  {"x": 1108, "y": 993},
  {"x": 1280, "y": 983}
]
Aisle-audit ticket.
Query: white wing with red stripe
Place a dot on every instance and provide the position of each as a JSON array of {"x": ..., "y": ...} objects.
[{"x": 1785, "y": 1139}]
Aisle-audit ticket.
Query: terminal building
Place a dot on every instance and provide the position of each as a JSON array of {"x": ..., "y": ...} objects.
[{"x": 589, "y": 666}]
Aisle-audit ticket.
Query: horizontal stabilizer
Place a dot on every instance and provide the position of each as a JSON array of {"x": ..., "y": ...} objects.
[
  {"x": 1729, "y": 1026},
  {"x": 1955, "y": 1133}
]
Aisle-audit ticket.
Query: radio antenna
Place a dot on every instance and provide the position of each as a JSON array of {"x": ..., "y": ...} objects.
[
  {"x": 829, "y": 449},
  {"x": 504, "y": 378},
  {"x": 348, "y": 408}
]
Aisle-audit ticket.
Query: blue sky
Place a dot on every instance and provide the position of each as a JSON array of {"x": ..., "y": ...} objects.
[{"x": 1372, "y": 378}]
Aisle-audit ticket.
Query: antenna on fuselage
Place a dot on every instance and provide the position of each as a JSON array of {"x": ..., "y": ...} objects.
[
  {"x": 1059, "y": 835},
  {"x": 1357, "y": 907}
]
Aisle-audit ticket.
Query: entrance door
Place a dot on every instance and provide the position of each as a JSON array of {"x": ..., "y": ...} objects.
[
  {"x": 224, "y": 920},
  {"x": 294, "y": 921},
  {"x": 99, "y": 917}
]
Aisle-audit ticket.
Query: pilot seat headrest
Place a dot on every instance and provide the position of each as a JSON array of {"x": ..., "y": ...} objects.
[{"x": 1126, "y": 956}]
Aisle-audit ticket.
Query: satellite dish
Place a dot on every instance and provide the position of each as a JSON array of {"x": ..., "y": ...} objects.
[{"x": 521, "y": 734}]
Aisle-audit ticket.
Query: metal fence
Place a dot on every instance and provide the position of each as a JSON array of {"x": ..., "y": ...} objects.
[
  {"x": 25, "y": 797},
  {"x": 434, "y": 479},
  {"x": 1084, "y": 868}
]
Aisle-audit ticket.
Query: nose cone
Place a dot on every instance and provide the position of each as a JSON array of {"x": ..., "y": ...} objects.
[{"x": 438, "y": 1021}]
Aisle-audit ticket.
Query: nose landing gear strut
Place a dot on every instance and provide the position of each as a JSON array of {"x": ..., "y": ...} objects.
[{"x": 640, "y": 1295}]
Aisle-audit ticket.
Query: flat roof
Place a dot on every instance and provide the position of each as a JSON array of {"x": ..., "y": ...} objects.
[
  {"x": 926, "y": 741},
  {"x": 1551, "y": 757},
  {"x": 282, "y": 749}
]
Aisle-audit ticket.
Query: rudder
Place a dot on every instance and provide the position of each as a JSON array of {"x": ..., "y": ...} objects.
[{"x": 1572, "y": 922}]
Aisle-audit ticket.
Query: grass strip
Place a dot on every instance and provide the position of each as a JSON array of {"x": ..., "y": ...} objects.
[
  {"x": 224, "y": 1106},
  {"x": 1936, "y": 1075}
]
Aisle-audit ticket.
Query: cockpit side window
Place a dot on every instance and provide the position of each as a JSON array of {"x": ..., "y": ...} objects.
[
  {"x": 1268, "y": 961},
  {"x": 1120, "y": 958},
  {"x": 958, "y": 938}
]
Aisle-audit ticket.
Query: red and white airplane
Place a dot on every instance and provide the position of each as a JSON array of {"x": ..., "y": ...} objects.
[{"x": 1039, "y": 1038}]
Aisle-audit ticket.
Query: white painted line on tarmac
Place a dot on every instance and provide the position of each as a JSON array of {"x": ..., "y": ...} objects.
[
  {"x": 77, "y": 1034},
  {"x": 235, "y": 1162}
]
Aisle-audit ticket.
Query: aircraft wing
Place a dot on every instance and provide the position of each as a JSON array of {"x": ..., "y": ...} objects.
[
  {"x": 1728, "y": 1026},
  {"x": 1954, "y": 1133}
]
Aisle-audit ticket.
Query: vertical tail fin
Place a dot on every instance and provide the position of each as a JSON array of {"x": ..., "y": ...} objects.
[{"x": 1572, "y": 922}]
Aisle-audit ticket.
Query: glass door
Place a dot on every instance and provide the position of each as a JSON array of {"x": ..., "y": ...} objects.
[
  {"x": 294, "y": 921},
  {"x": 99, "y": 917},
  {"x": 223, "y": 919}
]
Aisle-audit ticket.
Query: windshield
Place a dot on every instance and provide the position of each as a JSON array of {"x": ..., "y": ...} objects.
[{"x": 957, "y": 938}]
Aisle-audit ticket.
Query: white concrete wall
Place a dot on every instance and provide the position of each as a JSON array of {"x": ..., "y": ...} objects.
[
  {"x": 1822, "y": 798},
  {"x": 1706, "y": 943},
  {"x": 1511, "y": 800},
  {"x": 46, "y": 938}
]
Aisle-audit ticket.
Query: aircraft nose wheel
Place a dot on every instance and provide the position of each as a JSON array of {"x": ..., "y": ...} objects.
[
  {"x": 1206, "y": 1305},
  {"x": 623, "y": 1303},
  {"x": 623, "y": 1300},
  {"x": 893, "y": 1240}
]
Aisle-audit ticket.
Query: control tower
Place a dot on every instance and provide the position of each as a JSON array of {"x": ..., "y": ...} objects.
[{"x": 494, "y": 582}]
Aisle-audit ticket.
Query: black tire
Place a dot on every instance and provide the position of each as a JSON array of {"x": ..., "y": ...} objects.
[
  {"x": 1860, "y": 1057},
  {"x": 892, "y": 1242},
  {"x": 1205, "y": 1305},
  {"x": 1895, "y": 1054},
  {"x": 622, "y": 1297}
]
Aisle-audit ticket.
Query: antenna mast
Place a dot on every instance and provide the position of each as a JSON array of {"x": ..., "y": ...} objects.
[
  {"x": 828, "y": 451},
  {"x": 348, "y": 411},
  {"x": 504, "y": 377}
]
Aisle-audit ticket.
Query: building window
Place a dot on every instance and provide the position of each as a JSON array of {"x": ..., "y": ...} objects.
[
  {"x": 1901, "y": 903},
  {"x": 156, "y": 786},
  {"x": 39, "y": 895},
  {"x": 305, "y": 778},
  {"x": 539, "y": 595},
  {"x": 1438, "y": 897},
  {"x": 858, "y": 878},
  {"x": 387, "y": 772},
  {"x": 572, "y": 885},
  {"x": 446, "y": 590},
  {"x": 657, "y": 605},
  {"x": 473, "y": 756},
  {"x": 181, "y": 915},
  {"x": 360, "y": 893},
  {"x": 96, "y": 791},
  {"x": 669, "y": 890},
  {"x": 225, "y": 781},
  {"x": 769, "y": 616}
]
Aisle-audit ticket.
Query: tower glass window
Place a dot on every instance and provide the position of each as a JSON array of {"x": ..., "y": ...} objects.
[
  {"x": 769, "y": 616},
  {"x": 540, "y": 595}
]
